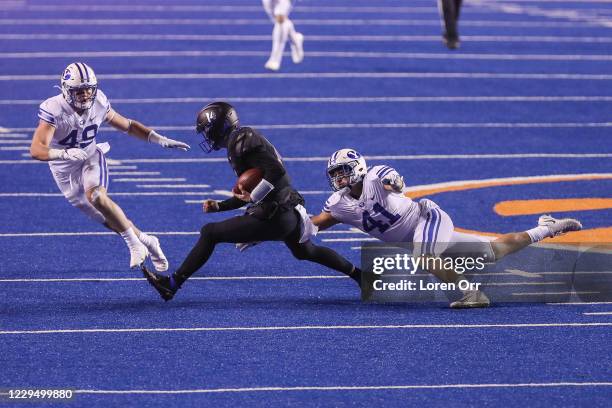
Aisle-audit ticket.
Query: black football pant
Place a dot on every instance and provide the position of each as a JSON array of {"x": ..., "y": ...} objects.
[
  {"x": 450, "y": 13},
  {"x": 284, "y": 226}
]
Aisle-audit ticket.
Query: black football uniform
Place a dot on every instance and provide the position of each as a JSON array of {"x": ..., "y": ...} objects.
[{"x": 274, "y": 218}]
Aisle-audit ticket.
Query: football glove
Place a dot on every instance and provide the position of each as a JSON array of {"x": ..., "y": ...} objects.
[
  {"x": 164, "y": 141},
  {"x": 395, "y": 181},
  {"x": 72, "y": 154}
]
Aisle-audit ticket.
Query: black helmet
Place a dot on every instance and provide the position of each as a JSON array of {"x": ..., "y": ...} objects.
[{"x": 216, "y": 121}]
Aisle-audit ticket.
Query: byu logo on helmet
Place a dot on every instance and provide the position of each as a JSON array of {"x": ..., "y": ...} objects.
[
  {"x": 345, "y": 168},
  {"x": 79, "y": 85}
]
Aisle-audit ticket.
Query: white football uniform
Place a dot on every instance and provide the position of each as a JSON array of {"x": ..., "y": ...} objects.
[
  {"x": 392, "y": 217},
  {"x": 277, "y": 8},
  {"x": 77, "y": 131}
]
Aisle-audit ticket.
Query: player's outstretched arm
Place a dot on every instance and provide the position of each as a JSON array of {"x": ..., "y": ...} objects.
[
  {"x": 137, "y": 129},
  {"x": 324, "y": 220},
  {"x": 39, "y": 149}
]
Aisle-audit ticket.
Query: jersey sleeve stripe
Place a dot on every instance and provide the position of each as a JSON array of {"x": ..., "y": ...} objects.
[
  {"x": 49, "y": 121},
  {"x": 379, "y": 172},
  {"x": 47, "y": 112},
  {"x": 386, "y": 172},
  {"x": 46, "y": 117}
]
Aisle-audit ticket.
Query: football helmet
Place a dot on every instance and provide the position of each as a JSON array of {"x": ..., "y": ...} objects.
[
  {"x": 79, "y": 85},
  {"x": 215, "y": 122},
  {"x": 345, "y": 164}
]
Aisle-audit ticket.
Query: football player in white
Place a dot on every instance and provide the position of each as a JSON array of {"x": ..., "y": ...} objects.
[
  {"x": 66, "y": 138},
  {"x": 278, "y": 11},
  {"x": 372, "y": 200}
]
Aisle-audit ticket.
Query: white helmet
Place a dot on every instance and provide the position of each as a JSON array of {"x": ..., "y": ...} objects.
[
  {"x": 345, "y": 163},
  {"x": 78, "y": 77}
]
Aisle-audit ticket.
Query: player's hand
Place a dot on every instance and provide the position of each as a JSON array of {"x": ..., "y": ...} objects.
[
  {"x": 393, "y": 182},
  {"x": 74, "y": 154},
  {"x": 241, "y": 194},
  {"x": 166, "y": 142},
  {"x": 210, "y": 206}
]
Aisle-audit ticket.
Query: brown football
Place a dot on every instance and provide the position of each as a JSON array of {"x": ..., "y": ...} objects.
[{"x": 249, "y": 180}]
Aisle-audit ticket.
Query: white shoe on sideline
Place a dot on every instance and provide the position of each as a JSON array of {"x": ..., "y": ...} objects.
[
  {"x": 272, "y": 65},
  {"x": 138, "y": 254},
  {"x": 297, "y": 48},
  {"x": 159, "y": 260},
  {"x": 559, "y": 227},
  {"x": 471, "y": 300}
]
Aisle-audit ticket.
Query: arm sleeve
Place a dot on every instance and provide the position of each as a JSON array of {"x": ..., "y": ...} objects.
[
  {"x": 231, "y": 203},
  {"x": 45, "y": 113},
  {"x": 272, "y": 169}
]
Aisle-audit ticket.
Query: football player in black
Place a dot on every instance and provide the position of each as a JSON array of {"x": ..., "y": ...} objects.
[
  {"x": 271, "y": 215},
  {"x": 449, "y": 10}
]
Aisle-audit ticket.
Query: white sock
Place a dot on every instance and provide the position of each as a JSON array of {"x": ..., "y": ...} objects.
[
  {"x": 130, "y": 237},
  {"x": 147, "y": 240},
  {"x": 539, "y": 233},
  {"x": 279, "y": 40},
  {"x": 290, "y": 30}
]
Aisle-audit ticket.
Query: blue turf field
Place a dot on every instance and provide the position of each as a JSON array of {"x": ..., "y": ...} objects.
[{"x": 528, "y": 94}]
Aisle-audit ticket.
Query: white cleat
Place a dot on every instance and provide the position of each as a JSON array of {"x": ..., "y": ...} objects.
[
  {"x": 297, "y": 48},
  {"x": 272, "y": 65},
  {"x": 159, "y": 260},
  {"x": 559, "y": 227},
  {"x": 472, "y": 300},
  {"x": 138, "y": 254}
]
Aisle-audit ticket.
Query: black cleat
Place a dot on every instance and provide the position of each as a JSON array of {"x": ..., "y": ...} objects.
[{"x": 161, "y": 283}]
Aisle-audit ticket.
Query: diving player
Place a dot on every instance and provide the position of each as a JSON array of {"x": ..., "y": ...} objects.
[
  {"x": 372, "y": 201},
  {"x": 276, "y": 212},
  {"x": 66, "y": 138},
  {"x": 278, "y": 11}
]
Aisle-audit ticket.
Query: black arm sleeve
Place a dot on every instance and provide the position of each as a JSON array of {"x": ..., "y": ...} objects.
[
  {"x": 273, "y": 169},
  {"x": 231, "y": 203}
]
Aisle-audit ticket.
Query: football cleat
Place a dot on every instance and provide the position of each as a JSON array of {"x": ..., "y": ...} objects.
[
  {"x": 161, "y": 283},
  {"x": 559, "y": 227},
  {"x": 297, "y": 48},
  {"x": 473, "y": 299},
  {"x": 272, "y": 65},
  {"x": 159, "y": 260},
  {"x": 138, "y": 254}
]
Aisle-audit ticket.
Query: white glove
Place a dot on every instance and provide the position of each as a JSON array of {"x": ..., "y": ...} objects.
[
  {"x": 73, "y": 154},
  {"x": 163, "y": 141},
  {"x": 395, "y": 181}
]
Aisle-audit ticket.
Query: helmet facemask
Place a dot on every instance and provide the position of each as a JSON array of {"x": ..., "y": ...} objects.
[
  {"x": 336, "y": 174},
  {"x": 82, "y": 97}
]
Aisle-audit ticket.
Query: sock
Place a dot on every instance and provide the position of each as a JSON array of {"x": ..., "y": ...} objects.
[
  {"x": 130, "y": 237},
  {"x": 147, "y": 240},
  {"x": 539, "y": 233},
  {"x": 279, "y": 40},
  {"x": 290, "y": 29}
]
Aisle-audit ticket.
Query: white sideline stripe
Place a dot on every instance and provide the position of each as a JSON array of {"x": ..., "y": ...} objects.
[
  {"x": 349, "y": 239},
  {"x": 364, "y": 99},
  {"x": 310, "y": 54},
  {"x": 311, "y": 38},
  {"x": 553, "y": 293},
  {"x": 324, "y": 159},
  {"x": 563, "y": 177},
  {"x": 13, "y": 135},
  {"x": 13, "y": 148},
  {"x": 173, "y": 185},
  {"x": 598, "y": 314},
  {"x": 133, "y": 173},
  {"x": 579, "y": 303},
  {"x": 300, "y": 328},
  {"x": 329, "y": 75},
  {"x": 135, "y": 180},
  {"x": 298, "y": 22},
  {"x": 202, "y": 278},
  {"x": 348, "y": 388},
  {"x": 99, "y": 233},
  {"x": 524, "y": 274},
  {"x": 23, "y": 141},
  {"x": 120, "y": 167}
]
